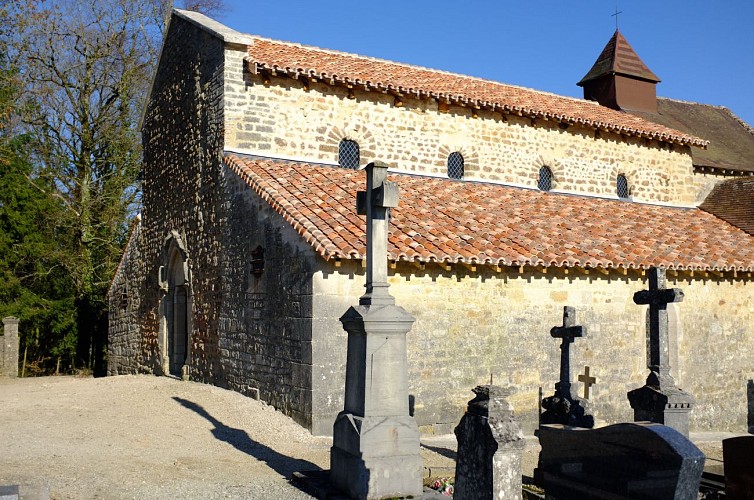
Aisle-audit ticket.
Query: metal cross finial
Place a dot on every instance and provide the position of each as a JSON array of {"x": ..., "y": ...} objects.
[{"x": 616, "y": 17}]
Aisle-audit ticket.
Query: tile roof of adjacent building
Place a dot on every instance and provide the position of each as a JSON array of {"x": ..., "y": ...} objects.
[
  {"x": 731, "y": 140},
  {"x": 338, "y": 68},
  {"x": 733, "y": 201},
  {"x": 442, "y": 220},
  {"x": 619, "y": 58}
]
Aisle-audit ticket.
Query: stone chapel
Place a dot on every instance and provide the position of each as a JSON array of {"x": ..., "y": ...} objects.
[{"x": 513, "y": 204}]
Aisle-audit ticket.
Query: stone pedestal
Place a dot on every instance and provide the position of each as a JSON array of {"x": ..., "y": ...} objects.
[
  {"x": 668, "y": 406},
  {"x": 375, "y": 452},
  {"x": 9, "y": 350},
  {"x": 567, "y": 409},
  {"x": 490, "y": 445}
]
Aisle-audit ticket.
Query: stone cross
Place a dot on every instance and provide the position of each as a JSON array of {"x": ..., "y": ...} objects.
[
  {"x": 660, "y": 401},
  {"x": 564, "y": 407},
  {"x": 375, "y": 451},
  {"x": 568, "y": 332},
  {"x": 381, "y": 195},
  {"x": 587, "y": 380},
  {"x": 658, "y": 297}
]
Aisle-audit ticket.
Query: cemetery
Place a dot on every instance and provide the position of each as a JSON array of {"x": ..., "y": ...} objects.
[
  {"x": 420, "y": 285},
  {"x": 488, "y": 210},
  {"x": 376, "y": 443}
]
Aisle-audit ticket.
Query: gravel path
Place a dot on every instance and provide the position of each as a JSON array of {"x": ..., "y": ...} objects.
[
  {"x": 160, "y": 438},
  {"x": 147, "y": 437}
]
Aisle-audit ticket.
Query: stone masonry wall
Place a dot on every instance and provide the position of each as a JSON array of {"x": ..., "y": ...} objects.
[
  {"x": 124, "y": 305},
  {"x": 265, "y": 318},
  {"x": 182, "y": 193},
  {"x": 283, "y": 119},
  {"x": 483, "y": 324},
  {"x": 248, "y": 332}
]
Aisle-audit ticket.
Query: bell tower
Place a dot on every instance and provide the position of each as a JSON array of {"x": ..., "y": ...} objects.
[{"x": 620, "y": 80}]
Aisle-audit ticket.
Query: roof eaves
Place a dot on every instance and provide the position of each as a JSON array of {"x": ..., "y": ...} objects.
[{"x": 311, "y": 234}]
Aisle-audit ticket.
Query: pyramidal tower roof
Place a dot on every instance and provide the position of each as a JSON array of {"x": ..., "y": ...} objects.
[{"x": 619, "y": 58}]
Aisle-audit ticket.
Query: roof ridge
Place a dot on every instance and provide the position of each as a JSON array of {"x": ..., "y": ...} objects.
[{"x": 419, "y": 67}]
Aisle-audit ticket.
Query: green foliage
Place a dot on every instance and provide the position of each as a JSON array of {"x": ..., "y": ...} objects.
[{"x": 74, "y": 76}]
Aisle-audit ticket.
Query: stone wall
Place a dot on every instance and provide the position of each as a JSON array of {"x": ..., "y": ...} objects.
[
  {"x": 265, "y": 322},
  {"x": 479, "y": 324},
  {"x": 183, "y": 196},
  {"x": 283, "y": 119},
  {"x": 124, "y": 305}
]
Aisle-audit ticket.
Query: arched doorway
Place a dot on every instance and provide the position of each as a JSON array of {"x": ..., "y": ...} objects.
[{"x": 175, "y": 308}]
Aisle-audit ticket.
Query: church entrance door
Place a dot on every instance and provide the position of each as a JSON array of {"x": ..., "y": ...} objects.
[{"x": 176, "y": 311}]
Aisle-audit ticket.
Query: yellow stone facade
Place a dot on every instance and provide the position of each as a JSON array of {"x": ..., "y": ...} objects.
[
  {"x": 280, "y": 117},
  {"x": 475, "y": 325}
]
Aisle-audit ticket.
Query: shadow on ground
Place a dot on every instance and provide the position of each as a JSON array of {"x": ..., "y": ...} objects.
[
  {"x": 445, "y": 452},
  {"x": 239, "y": 439}
]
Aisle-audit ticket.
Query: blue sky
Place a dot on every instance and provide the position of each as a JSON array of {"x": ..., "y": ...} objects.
[{"x": 703, "y": 51}]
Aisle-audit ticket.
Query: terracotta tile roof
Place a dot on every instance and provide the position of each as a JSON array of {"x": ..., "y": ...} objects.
[
  {"x": 618, "y": 57},
  {"x": 338, "y": 68},
  {"x": 441, "y": 220},
  {"x": 731, "y": 140}
]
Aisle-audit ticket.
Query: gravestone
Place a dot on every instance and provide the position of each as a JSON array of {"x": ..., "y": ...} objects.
[
  {"x": 629, "y": 460},
  {"x": 565, "y": 407},
  {"x": 660, "y": 401},
  {"x": 738, "y": 467},
  {"x": 490, "y": 445},
  {"x": 375, "y": 452},
  {"x": 9, "y": 348}
]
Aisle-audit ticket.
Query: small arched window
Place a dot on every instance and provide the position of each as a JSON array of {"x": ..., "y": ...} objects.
[
  {"x": 348, "y": 154},
  {"x": 455, "y": 166},
  {"x": 544, "y": 182},
  {"x": 621, "y": 187}
]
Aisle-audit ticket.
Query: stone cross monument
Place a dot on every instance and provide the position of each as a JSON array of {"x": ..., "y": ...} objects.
[
  {"x": 375, "y": 452},
  {"x": 660, "y": 401},
  {"x": 565, "y": 407}
]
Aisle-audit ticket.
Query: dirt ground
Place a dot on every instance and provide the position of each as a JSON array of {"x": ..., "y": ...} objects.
[{"x": 157, "y": 437}]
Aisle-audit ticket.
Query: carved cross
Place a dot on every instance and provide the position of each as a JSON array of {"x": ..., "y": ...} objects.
[
  {"x": 658, "y": 297},
  {"x": 587, "y": 380},
  {"x": 568, "y": 332},
  {"x": 381, "y": 195}
]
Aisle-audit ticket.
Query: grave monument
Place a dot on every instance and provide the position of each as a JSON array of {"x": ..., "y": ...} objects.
[
  {"x": 660, "y": 400},
  {"x": 565, "y": 407},
  {"x": 375, "y": 452},
  {"x": 490, "y": 446}
]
